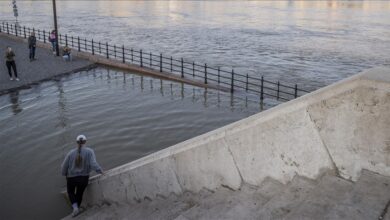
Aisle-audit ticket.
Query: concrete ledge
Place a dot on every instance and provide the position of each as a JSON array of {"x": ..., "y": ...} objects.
[{"x": 344, "y": 127}]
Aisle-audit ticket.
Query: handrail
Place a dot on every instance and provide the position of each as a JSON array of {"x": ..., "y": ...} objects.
[{"x": 158, "y": 62}]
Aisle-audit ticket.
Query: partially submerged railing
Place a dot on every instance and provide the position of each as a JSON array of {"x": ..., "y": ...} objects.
[{"x": 159, "y": 62}]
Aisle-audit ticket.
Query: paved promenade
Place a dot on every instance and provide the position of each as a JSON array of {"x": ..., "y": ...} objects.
[{"x": 45, "y": 67}]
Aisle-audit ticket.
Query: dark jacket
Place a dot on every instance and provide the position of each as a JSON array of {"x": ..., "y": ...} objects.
[
  {"x": 9, "y": 56},
  {"x": 32, "y": 41}
]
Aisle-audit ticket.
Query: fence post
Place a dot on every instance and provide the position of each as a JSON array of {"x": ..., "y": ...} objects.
[
  {"x": 132, "y": 58},
  {"x": 24, "y": 30},
  {"x": 123, "y": 54},
  {"x": 108, "y": 57},
  {"x": 296, "y": 91},
  {"x": 150, "y": 59},
  {"x": 205, "y": 73},
  {"x": 85, "y": 44},
  {"x": 44, "y": 36},
  {"x": 100, "y": 48},
  {"x": 193, "y": 69},
  {"x": 114, "y": 50},
  {"x": 232, "y": 83},
  {"x": 16, "y": 30},
  {"x": 160, "y": 62},
  {"x": 7, "y": 28},
  {"x": 182, "y": 68},
  {"x": 140, "y": 54},
  {"x": 246, "y": 86},
  {"x": 93, "y": 49},
  {"x": 171, "y": 63},
  {"x": 277, "y": 91},
  {"x": 219, "y": 74},
  {"x": 262, "y": 88},
  {"x": 59, "y": 39},
  {"x": 66, "y": 40},
  {"x": 78, "y": 42}
]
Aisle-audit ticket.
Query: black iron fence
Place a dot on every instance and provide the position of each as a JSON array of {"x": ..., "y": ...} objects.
[{"x": 157, "y": 61}]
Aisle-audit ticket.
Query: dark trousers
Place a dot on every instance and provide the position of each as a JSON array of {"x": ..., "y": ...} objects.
[
  {"x": 13, "y": 65},
  {"x": 75, "y": 187},
  {"x": 32, "y": 53}
]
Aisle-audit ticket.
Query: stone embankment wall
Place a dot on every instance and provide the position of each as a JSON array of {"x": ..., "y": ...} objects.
[{"x": 344, "y": 127}]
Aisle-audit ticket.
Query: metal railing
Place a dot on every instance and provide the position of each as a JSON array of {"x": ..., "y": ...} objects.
[{"x": 184, "y": 68}]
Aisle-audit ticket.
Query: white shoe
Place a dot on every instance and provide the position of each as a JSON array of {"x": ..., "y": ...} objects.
[
  {"x": 11, "y": 79},
  {"x": 17, "y": 79},
  {"x": 75, "y": 212}
]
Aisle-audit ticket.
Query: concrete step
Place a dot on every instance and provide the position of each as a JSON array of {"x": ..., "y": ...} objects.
[
  {"x": 227, "y": 204},
  {"x": 329, "y": 197},
  {"x": 159, "y": 208},
  {"x": 284, "y": 202},
  {"x": 367, "y": 200},
  {"x": 320, "y": 200}
]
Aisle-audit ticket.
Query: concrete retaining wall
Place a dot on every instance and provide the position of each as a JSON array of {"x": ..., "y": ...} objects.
[{"x": 344, "y": 127}]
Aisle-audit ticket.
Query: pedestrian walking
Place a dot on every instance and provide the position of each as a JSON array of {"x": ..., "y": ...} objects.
[
  {"x": 10, "y": 62},
  {"x": 76, "y": 167},
  {"x": 32, "y": 42},
  {"x": 53, "y": 41}
]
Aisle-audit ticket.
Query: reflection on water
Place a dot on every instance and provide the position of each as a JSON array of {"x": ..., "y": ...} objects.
[
  {"x": 125, "y": 116},
  {"x": 14, "y": 99}
]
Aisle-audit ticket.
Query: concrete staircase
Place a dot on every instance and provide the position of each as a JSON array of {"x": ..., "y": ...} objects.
[{"x": 328, "y": 197}]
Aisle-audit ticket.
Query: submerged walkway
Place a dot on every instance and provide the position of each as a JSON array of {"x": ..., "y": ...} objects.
[{"x": 45, "y": 67}]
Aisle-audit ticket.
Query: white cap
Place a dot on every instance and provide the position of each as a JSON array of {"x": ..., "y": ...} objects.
[{"x": 81, "y": 137}]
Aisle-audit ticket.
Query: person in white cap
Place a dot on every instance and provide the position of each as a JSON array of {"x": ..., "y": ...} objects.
[{"x": 77, "y": 165}]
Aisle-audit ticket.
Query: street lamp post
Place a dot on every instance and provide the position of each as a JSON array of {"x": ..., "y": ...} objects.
[{"x": 55, "y": 27}]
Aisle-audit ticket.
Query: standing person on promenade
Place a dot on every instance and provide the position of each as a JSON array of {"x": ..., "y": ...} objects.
[
  {"x": 76, "y": 167},
  {"x": 52, "y": 39},
  {"x": 10, "y": 62},
  {"x": 32, "y": 42}
]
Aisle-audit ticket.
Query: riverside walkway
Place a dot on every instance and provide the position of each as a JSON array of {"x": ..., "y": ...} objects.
[{"x": 45, "y": 67}]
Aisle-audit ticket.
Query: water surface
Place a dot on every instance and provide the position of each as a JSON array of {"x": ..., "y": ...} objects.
[
  {"x": 124, "y": 117},
  {"x": 312, "y": 43}
]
